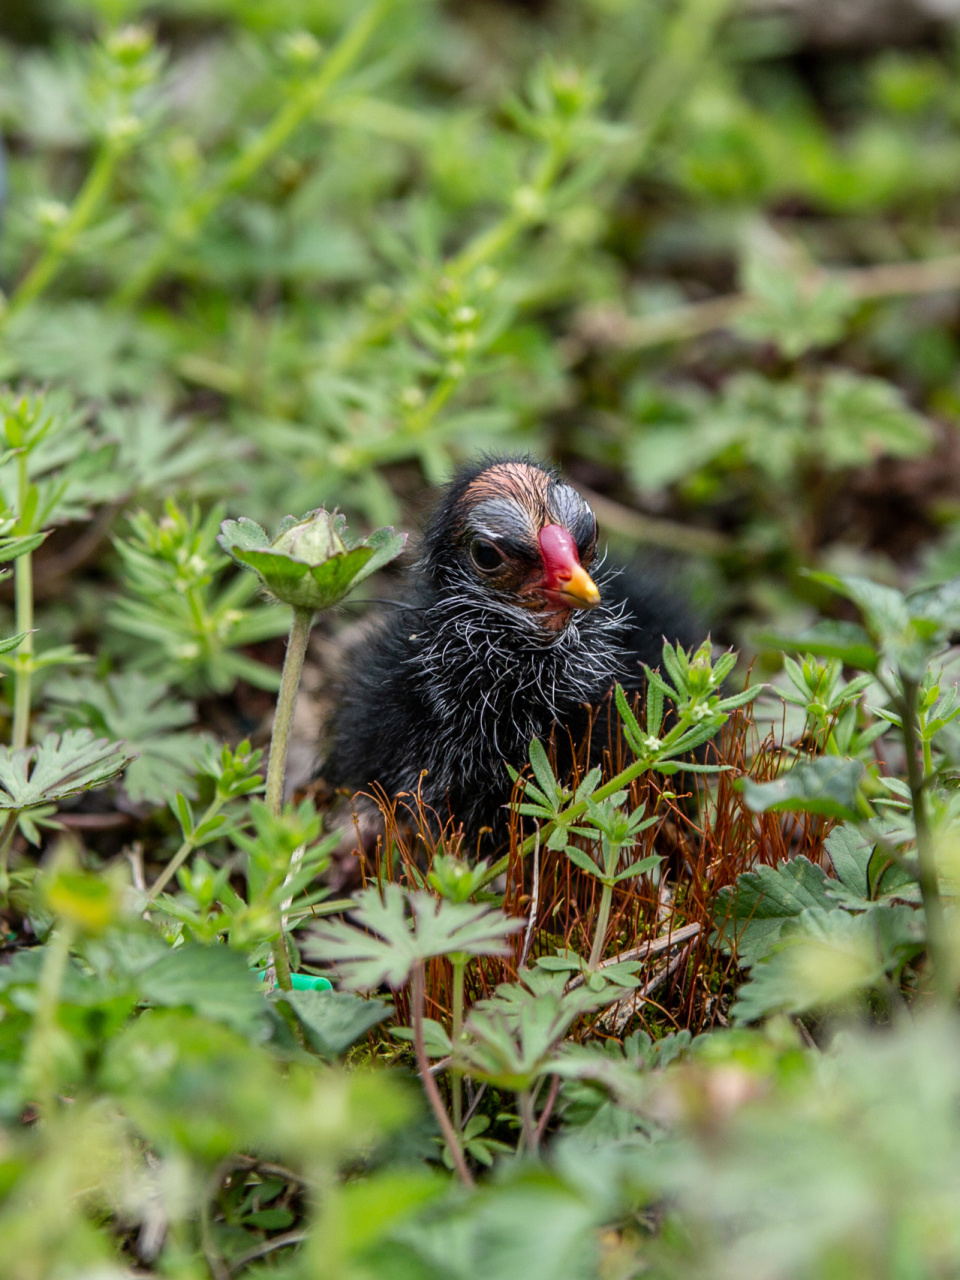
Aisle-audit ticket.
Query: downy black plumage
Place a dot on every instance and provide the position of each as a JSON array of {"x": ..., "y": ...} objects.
[{"x": 502, "y": 636}]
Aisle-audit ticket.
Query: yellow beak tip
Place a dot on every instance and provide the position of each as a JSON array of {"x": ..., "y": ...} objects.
[{"x": 580, "y": 590}]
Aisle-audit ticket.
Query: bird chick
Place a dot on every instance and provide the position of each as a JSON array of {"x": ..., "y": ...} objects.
[{"x": 508, "y": 630}]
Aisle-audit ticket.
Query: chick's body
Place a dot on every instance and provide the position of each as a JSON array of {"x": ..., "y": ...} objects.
[{"x": 503, "y": 636}]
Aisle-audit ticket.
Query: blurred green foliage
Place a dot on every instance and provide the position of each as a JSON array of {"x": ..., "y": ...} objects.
[{"x": 268, "y": 256}]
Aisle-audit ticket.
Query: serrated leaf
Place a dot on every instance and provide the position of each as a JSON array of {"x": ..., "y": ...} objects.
[
  {"x": 214, "y": 981},
  {"x": 828, "y": 957},
  {"x": 334, "y": 1020},
  {"x": 750, "y": 915},
  {"x": 828, "y": 786},
  {"x": 850, "y": 852},
  {"x": 386, "y": 545},
  {"x": 244, "y": 535},
  {"x": 141, "y": 711},
  {"x": 308, "y": 565},
  {"x": 435, "y": 1038},
  {"x": 62, "y": 765}
]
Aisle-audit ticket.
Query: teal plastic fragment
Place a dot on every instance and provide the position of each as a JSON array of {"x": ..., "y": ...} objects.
[{"x": 305, "y": 981}]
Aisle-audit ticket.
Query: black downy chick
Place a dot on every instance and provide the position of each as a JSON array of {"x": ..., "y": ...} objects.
[{"x": 504, "y": 635}]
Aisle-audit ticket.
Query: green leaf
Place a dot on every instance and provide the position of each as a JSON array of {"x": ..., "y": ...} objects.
[
  {"x": 183, "y": 813},
  {"x": 12, "y": 642},
  {"x": 394, "y": 940},
  {"x": 826, "y": 957},
  {"x": 214, "y": 981},
  {"x": 243, "y": 535},
  {"x": 542, "y": 771},
  {"x": 142, "y": 711},
  {"x": 435, "y": 1039},
  {"x": 850, "y": 852},
  {"x": 863, "y": 419},
  {"x": 786, "y": 309},
  {"x": 845, "y": 640},
  {"x": 639, "y": 868},
  {"x": 334, "y": 1020},
  {"x": 309, "y": 565},
  {"x": 750, "y": 915},
  {"x": 386, "y": 545},
  {"x": 270, "y": 1219},
  {"x": 828, "y": 785},
  {"x": 62, "y": 765},
  {"x": 581, "y": 859},
  {"x": 14, "y": 548}
]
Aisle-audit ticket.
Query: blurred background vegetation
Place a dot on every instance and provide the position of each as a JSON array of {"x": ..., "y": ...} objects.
[
  {"x": 260, "y": 255},
  {"x": 704, "y": 255}
]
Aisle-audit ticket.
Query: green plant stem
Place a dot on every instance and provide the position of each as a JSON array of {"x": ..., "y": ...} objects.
[
  {"x": 281, "y": 962},
  {"x": 927, "y": 755},
  {"x": 456, "y": 1077},
  {"x": 685, "y": 48},
  {"x": 938, "y": 942},
  {"x": 279, "y": 742},
  {"x": 527, "y": 1120},
  {"x": 88, "y": 200},
  {"x": 185, "y": 850},
  {"x": 450, "y": 1135},
  {"x": 286, "y": 701},
  {"x": 23, "y": 590},
  {"x": 23, "y": 604},
  {"x": 600, "y": 933},
  {"x": 6, "y": 840},
  {"x": 189, "y": 220},
  {"x": 40, "y": 1057},
  {"x": 547, "y": 1111},
  {"x": 489, "y": 243}
]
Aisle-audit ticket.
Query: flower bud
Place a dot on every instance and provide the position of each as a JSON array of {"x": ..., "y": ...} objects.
[{"x": 309, "y": 565}]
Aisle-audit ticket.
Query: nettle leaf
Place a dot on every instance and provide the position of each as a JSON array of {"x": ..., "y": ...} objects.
[
  {"x": 828, "y": 785},
  {"x": 751, "y": 914},
  {"x": 403, "y": 929},
  {"x": 62, "y": 765},
  {"x": 214, "y": 981},
  {"x": 826, "y": 957},
  {"x": 334, "y": 1020}
]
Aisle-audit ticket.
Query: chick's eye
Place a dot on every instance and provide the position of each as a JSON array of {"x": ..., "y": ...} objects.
[{"x": 485, "y": 555}]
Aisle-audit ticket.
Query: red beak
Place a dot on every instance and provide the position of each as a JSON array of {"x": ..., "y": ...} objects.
[{"x": 565, "y": 578}]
